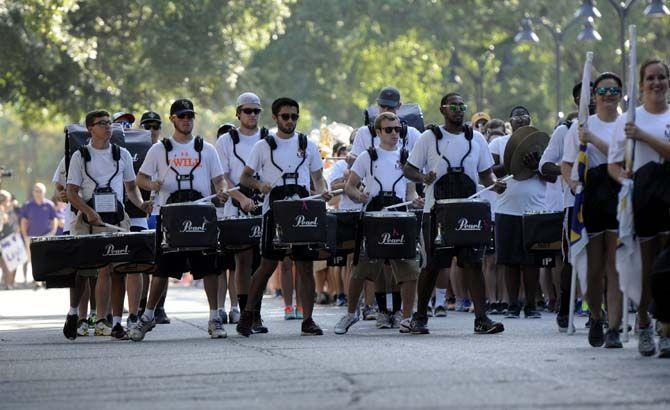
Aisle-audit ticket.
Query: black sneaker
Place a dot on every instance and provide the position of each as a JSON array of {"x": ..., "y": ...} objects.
[
  {"x": 119, "y": 333},
  {"x": 440, "y": 311},
  {"x": 562, "y": 322},
  {"x": 70, "y": 328},
  {"x": 161, "y": 317},
  {"x": 530, "y": 313},
  {"x": 309, "y": 328},
  {"x": 257, "y": 325},
  {"x": 419, "y": 325},
  {"x": 486, "y": 326},
  {"x": 612, "y": 340},
  {"x": 245, "y": 325},
  {"x": 513, "y": 312},
  {"x": 596, "y": 335}
]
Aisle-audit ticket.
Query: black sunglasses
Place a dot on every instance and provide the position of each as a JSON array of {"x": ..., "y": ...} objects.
[
  {"x": 151, "y": 127},
  {"x": 389, "y": 130},
  {"x": 103, "y": 123},
  {"x": 287, "y": 117},
  {"x": 189, "y": 115},
  {"x": 250, "y": 111}
]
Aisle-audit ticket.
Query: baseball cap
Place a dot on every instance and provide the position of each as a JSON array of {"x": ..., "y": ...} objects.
[
  {"x": 181, "y": 106},
  {"x": 125, "y": 115},
  {"x": 248, "y": 98},
  {"x": 389, "y": 97},
  {"x": 150, "y": 116},
  {"x": 480, "y": 116}
]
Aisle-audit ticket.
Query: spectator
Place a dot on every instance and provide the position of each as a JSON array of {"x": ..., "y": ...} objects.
[
  {"x": 7, "y": 227},
  {"x": 61, "y": 209},
  {"x": 38, "y": 218}
]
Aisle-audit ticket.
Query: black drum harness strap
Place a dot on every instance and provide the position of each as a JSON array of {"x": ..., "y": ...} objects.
[
  {"x": 183, "y": 195},
  {"x": 288, "y": 190},
  {"x": 254, "y": 194},
  {"x": 455, "y": 183},
  {"x": 108, "y": 217}
]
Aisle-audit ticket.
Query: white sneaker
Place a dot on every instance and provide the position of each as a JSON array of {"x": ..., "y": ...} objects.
[
  {"x": 395, "y": 319},
  {"x": 142, "y": 326},
  {"x": 345, "y": 323},
  {"x": 82, "y": 328},
  {"x": 233, "y": 316},
  {"x": 102, "y": 328},
  {"x": 216, "y": 330},
  {"x": 383, "y": 320},
  {"x": 405, "y": 325},
  {"x": 646, "y": 344}
]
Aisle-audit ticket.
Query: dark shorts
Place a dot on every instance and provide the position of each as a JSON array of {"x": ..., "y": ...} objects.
[
  {"x": 268, "y": 251},
  {"x": 174, "y": 264},
  {"x": 601, "y": 197},
  {"x": 440, "y": 258},
  {"x": 509, "y": 241},
  {"x": 225, "y": 261},
  {"x": 651, "y": 200},
  {"x": 491, "y": 248}
]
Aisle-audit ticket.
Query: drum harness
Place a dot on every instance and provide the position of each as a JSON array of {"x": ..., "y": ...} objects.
[
  {"x": 254, "y": 194},
  {"x": 286, "y": 191},
  {"x": 184, "y": 195}
]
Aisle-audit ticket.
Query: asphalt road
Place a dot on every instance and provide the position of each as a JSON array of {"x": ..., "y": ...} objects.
[{"x": 530, "y": 365}]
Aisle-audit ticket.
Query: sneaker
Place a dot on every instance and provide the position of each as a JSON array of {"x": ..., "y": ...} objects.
[
  {"x": 646, "y": 344},
  {"x": 562, "y": 322},
  {"x": 341, "y": 300},
  {"x": 451, "y": 304},
  {"x": 502, "y": 308},
  {"x": 486, "y": 326},
  {"x": 461, "y": 305},
  {"x": 82, "y": 327},
  {"x": 245, "y": 324},
  {"x": 278, "y": 293},
  {"x": 223, "y": 316},
  {"x": 161, "y": 317},
  {"x": 530, "y": 313},
  {"x": 596, "y": 336},
  {"x": 233, "y": 316},
  {"x": 133, "y": 328},
  {"x": 612, "y": 340},
  {"x": 369, "y": 312},
  {"x": 658, "y": 328},
  {"x": 103, "y": 328},
  {"x": 440, "y": 311},
  {"x": 418, "y": 325},
  {"x": 257, "y": 324},
  {"x": 298, "y": 312},
  {"x": 138, "y": 331},
  {"x": 395, "y": 319},
  {"x": 309, "y": 328},
  {"x": 383, "y": 320},
  {"x": 118, "y": 332},
  {"x": 664, "y": 347},
  {"x": 323, "y": 298},
  {"x": 405, "y": 325},
  {"x": 216, "y": 330},
  {"x": 289, "y": 313},
  {"x": 70, "y": 327},
  {"x": 513, "y": 312},
  {"x": 92, "y": 320},
  {"x": 345, "y": 323},
  {"x": 429, "y": 311}
]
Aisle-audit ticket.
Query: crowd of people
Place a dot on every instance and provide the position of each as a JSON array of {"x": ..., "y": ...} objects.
[{"x": 386, "y": 163}]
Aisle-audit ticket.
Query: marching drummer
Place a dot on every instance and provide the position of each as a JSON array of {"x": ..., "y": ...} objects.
[
  {"x": 381, "y": 169},
  {"x": 285, "y": 163},
  {"x": 98, "y": 174},
  {"x": 181, "y": 169},
  {"x": 234, "y": 148},
  {"x": 457, "y": 158}
]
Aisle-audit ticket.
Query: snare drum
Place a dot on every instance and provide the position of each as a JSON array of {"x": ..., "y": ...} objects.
[
  {"x": 389, "y": 235},
  {"x": 543, "y": 231},
  {"x": 462, "y": 223},
  {"x": 299, "y": 222},
  {"x": 240, "y": 232},
  {"x": 188, "y": 226},
  {"x": 346, "y": 225}
]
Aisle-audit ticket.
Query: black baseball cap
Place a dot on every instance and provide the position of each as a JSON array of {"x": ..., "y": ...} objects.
[
  {"x": 389, "y": 97},
  {"x": 181, "y": 106},
  {"x": 150, "y": 116}
]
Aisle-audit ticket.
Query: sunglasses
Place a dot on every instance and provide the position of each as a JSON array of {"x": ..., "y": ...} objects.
[
  {"x": 388, "y": 107},
  {"x": 456, "y": 107},
  {"x": 103, "y": 123},
  {"x": 189, "y": 115},
  {"x": 287, "y": 117},
  {"x": 608, "y": 90},
  {"x": 151, "y": 127},
  {"x": 250, "y": 111},
  {"x": 389, "y": 130},
  {"x": 524, "y": 117}
]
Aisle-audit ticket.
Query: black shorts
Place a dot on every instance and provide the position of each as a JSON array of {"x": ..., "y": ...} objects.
[
  {"x": 509, "y": 241},
  {"x": 491, "y": 248},
  {"x": 601, "y": 197},
  {"x": 440, "y": 258},
  {"x": 268, "y": 251},
  {"x": 225, "y": 260},
  {"x": 174, "y": 264},
  {"x": 651, "y": 198}
]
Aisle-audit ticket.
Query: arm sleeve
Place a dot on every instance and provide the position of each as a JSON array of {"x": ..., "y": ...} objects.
[
  {"x": 419, "y": 155},
  {"x": 553, "y": 151},
  {"x": 222, "y": 151},
  {"x": 361, "y": 165},
  {"x": 494, "y": 147},
  {"x": 617, "y": 149},
  {"x": 359, "y": 144},
  {"x": 59, "y": 175},
  {"x": 213, "y": 163},
  {"x": 485, "y": 159},
  {"x": 315, "y": 162},
  {"x": 150, "y": 165},
  {"x": 333, "y": 173},
  {"x": 256, "y": 155},
  {"x": 75, "y": 176},
  {"x": 571, "y": 144},
  {"x": 128, "y": 170}
]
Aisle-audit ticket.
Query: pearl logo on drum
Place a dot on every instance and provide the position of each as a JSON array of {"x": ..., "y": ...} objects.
[
  {"x": 302, "y": 222},
  {"x": 464, "y": 225},
  {"x": 110, "y": 250},
  {"x": 188, "y": 227},
  {"x": 387, "y": 238},
  {"x": 256, "y": 232}
]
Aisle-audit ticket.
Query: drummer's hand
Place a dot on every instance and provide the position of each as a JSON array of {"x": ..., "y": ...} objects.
[
  {"x": 222, "y": 195},
  {"x": 625, "y": 174},
  {"x": 327, "y": 195},
  {"x": 499, "y": 187},
  {"x": 429, "y": 178},
  {"x": 156, "y": 185},
  {"x": 264, "y": 187},
  {"x": 632, "y": 131},
  {"x": 585, "y": 136},
  {"x": 532, "y": 160},
  {"x": 418, "y": 202},
  {"x": 93, "y": 218},
  {"x": 62, "y": 196},
  {"x": 363, "y": 197},
  {"x": 247, "y": 204},
  {"x": 147, "y": 206}
]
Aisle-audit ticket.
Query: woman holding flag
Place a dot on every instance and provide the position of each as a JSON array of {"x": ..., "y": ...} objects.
[
  {"x": 599, "y": 207},
  {"x": 650, "y": 170}
]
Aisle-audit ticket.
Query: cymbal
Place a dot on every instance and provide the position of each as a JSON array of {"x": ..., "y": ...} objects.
[
  {"x": 517, "y": 136},
  {"x": 535, "y": 142}
]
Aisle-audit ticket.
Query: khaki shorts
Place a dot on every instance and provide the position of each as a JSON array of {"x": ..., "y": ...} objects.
[
  {"x": 369, "y": 269},
  {"x": 79, "y": 227}
]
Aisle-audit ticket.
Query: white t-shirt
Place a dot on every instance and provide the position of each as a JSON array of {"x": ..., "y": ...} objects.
[
  {"x": 231, "y": 164},
  {"x": 288, "y": 157},
  {"x": 336, "y": 171},
  {"x": 453, "y": 147},
  {"x": 387, "y": 169},
  {"x": 558, "y": 194},
  {"x": 601, "y": 129},
  {"x": 61, "y": 178},
  {"x": 492, "y": 199},
  {"x": 363, "y": 136},
  {"x": 182, "y": 157},
  {"x": 101, "y": 167},
  {"x": 657, "y": 125},
  {"x": 520, "y": 197}
]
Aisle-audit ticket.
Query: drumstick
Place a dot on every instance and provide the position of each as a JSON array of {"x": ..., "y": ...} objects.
[
  {"x": 505, "y": 179},
  {"x": 334, "y": 193},
  {"x": 208, "y": 197},
  {"x": 116, "y": 228},
  {"x": 397, "y": 205}
]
